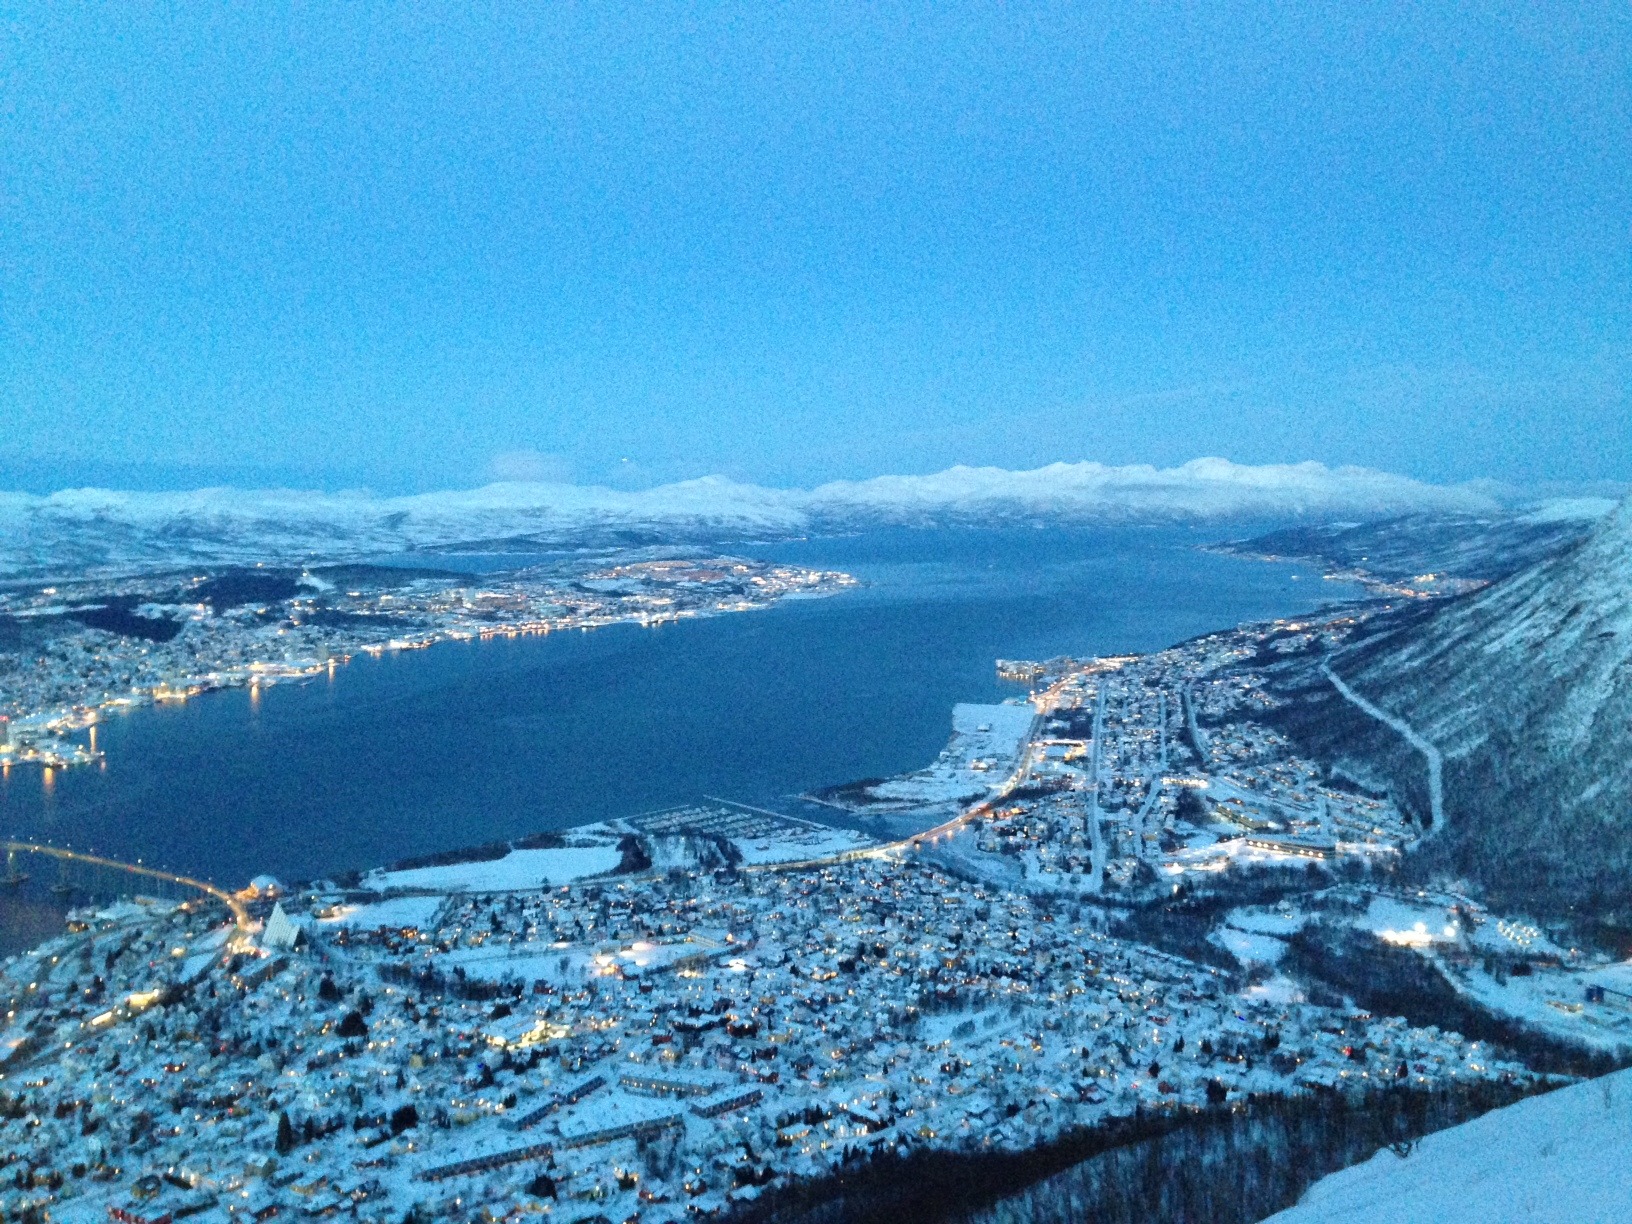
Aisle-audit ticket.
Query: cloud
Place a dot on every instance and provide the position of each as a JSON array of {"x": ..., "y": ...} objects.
[{"x": 531, "y": 466}]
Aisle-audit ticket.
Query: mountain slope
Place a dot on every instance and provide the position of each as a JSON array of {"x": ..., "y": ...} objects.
[
  {"x": 1525, "y": 689},
  {"x": 97, "y": 530},
  {"x": 1470, "y": 546},
  {"x": 1548, "y": 1160}
]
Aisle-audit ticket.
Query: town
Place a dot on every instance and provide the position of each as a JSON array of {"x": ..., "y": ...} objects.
[
  {"x": 668, "y": 1016},
  {"x": 654, "y": 1047},
  {"x": 1143, "y": 771},
  {"x": 74, "y": 653}
]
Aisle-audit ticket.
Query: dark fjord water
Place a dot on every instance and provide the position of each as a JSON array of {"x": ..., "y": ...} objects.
[{"x": 470, "y": 742}]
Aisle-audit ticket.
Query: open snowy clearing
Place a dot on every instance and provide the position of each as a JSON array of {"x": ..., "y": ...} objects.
[
  {"x": 518, "y": 869},
  {"x": 796, "y": 846},
  {"x": 396, "y": 914},
  {"x": 1249, "y": 948}
]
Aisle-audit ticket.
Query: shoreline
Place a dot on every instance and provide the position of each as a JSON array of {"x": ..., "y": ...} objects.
[{"x": 40, "y": 737}]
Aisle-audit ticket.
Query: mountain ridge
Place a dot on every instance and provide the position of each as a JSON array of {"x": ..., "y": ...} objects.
[
  {"x": 1408, "y": 548},
  {"x": 99, "y": 530},
  {"x": 1525, "y": 688}
]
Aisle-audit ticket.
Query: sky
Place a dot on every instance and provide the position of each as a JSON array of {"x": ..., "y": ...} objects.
[{"x": 417, "y": 246}]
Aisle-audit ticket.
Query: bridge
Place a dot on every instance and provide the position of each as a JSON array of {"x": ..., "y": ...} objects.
[{"x": 240, "y": 914}]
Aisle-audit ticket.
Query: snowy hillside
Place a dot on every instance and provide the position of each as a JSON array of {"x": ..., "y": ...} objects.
[
  {"x": 1525, "y": 689},
  {"x": 83, "y": 530},
  {"x": 1469, "y": 546},
  {"x": 1553, "y": 1158},
  {"x": 98, "y": 529},
  {"x": 1198, "y": 491}
]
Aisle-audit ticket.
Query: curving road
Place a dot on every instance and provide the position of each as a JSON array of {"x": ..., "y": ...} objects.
[
  {"x": 1436, "y": 762},
  {"x": 240, "y": 915}
]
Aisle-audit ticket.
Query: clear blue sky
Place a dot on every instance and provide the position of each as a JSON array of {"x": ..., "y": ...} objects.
[{"x": 412, "y": 246}]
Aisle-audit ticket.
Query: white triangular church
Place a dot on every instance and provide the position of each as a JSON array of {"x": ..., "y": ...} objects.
[{"x": 280, "y": 934}]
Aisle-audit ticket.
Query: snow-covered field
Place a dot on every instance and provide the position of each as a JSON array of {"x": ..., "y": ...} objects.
[
  {"x": 673, "y": 838},
  {"x": 394, "y": 914},
  {"x": 1250, "y": 948},
  {"x": 1554, "y": 1158},
  {"x": 1506, "y": 965},
  {"x": 797, "y": 846},
  {"x": 518, "y": 869},
  {"x": 1554, "y": 1000}
]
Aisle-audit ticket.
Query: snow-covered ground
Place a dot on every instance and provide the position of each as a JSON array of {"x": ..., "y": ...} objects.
[
  {"x": 675, "y": 836},
  {"x": 518, "y": 869},
  {"x": 982, "y": 754},
  {"x": 684, "y": 837},
  {"x": 1281, "y": 922},
  {"x": 1506, "y": 965},
  {"x": 1249, "y": 948},
  {"x": 1400, "y": 922},
  {"x": 1555, "y": 1001},
  {"x": 797, "y": 846},
  {"x": 1257, "y": 935},
  {"x": 1558, "y": 1157},
  {"x": 395, "y": 914}
]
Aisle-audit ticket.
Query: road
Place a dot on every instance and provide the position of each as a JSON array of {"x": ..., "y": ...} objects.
[
  {"x": 961, "y": 820},
  {"x": 1155, "y": 791},
  {"x": 240, "y": 915},
  {"x": 1096, "y": 835},
  {"x": 121, "y": 1011},
  {"x": 1198, "y": 737},
  {"x": 1145, "y": 809},
  {"x": 1431, "y": 754}
]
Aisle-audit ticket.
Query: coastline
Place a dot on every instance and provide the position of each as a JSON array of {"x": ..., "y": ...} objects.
[{"x": 42, "y": 736}]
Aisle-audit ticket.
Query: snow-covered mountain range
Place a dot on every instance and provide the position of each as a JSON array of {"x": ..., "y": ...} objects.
[
  {"x": 1525, "y": 690},
  {"x": 98, "y": 530}
]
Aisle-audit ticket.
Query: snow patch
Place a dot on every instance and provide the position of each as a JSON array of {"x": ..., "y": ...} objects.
[{"x": 1570, "y": 510}]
